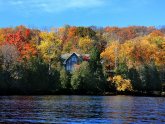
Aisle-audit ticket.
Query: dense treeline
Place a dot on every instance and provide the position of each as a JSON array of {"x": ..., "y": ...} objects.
[{"x": 130, "y": 59}]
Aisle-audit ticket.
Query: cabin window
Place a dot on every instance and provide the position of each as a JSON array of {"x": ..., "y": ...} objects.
[
  {"x": 68, "y": 67},
  {"x": 74, "y": 59}
]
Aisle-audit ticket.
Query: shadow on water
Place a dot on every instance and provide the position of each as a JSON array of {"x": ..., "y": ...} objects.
[{"x": 80, "y": 109}]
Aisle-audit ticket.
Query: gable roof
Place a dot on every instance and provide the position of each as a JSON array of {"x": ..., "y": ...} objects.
[{"x": 67, "y": 56}]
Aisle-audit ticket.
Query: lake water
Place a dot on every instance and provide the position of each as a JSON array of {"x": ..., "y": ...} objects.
[{"x": 82, "y": 109}]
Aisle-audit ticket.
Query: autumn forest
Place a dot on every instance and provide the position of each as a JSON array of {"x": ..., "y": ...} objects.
[{"x": 122, "y": 60}]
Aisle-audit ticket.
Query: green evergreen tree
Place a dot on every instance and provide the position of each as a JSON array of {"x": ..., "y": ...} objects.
[
  {"x": 97, "y": 70},
  {"x": 134, "y": 76},
  {"x": 65, "y": 79},
  {"x": 122, "y": 69},
  {"x": 76, "y": 80},
  {"x": 155, "y": 79},
  {"x": 150, "y": 78},
  {"x": 82, "y": 80},
  {"x": 145, "y": 77}
]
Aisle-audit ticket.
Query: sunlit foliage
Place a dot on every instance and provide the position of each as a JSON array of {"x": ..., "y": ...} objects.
[
  {"x": 123, "y": 59},
  {"x": 122, "y": 84}
]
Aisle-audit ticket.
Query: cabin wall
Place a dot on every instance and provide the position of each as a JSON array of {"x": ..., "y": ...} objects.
[{"x": 71, "y": 62}]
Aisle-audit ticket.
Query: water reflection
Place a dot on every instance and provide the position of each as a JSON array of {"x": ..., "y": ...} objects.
[{"x": 76, "y": 109}]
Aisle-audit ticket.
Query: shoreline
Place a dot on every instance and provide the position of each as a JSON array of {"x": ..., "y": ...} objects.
[{"x": 138, "y": 94}]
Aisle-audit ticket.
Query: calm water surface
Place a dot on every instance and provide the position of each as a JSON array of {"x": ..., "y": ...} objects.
[{"x": 82, "y": 109}]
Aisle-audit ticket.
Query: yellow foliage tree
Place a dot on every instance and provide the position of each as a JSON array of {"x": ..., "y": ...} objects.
[
  {"x": 67, "y": 47},
  {"x": 122, "y": 84},
  {"x": 85, "y": 44},
  {"x": 158, "y": 41},
  {"x": 142, "y": 50},
  {"x": 2, "y": 37},
  {"x": 162, "y": 54},
  {"x": 50, "y": 47},
  {"x": 111, "y": 53}
]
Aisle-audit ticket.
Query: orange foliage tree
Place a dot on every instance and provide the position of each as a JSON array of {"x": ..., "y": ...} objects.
[{"x": 21, "y": 41}]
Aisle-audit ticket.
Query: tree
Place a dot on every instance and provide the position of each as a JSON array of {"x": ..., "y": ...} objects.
[
  {"x": 42, "y": 81},
  {"x": 110, "y": 54},
  {"x": 150, "y": 78},
  {"x": 87, "y": 80},
  {"x": 25, "y": 49},
  {"x": 83, "y": 32},
  {"x": 85, "y": 44},
  {"x": 65, "y": 79},
  {"x": 50, "y": 49},
  {"x": 2, "y": 36},
  {"x": 157, "y": 39},
  {"x": 97, "y": 70},
  {"x": 155, "y": 79},
  {"x": 121, "y": 83},
  {"x": 67, "y": 47},
  {"x": 76, "y": 80},
  {"x": 82, "y": 80},
  {"x": 10, "y": 56},
  {"x": 122, "y": 69},
  {"x": 134, "y": 76}
]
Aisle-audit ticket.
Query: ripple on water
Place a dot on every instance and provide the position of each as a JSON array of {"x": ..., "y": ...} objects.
[{"x": 82, "y": 109}]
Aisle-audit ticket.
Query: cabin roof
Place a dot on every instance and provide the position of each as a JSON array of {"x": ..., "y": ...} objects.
[{"x": 66, "y": 56}]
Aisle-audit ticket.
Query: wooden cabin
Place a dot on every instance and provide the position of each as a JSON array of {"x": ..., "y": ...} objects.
[{"x": 70, "y": 60}]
